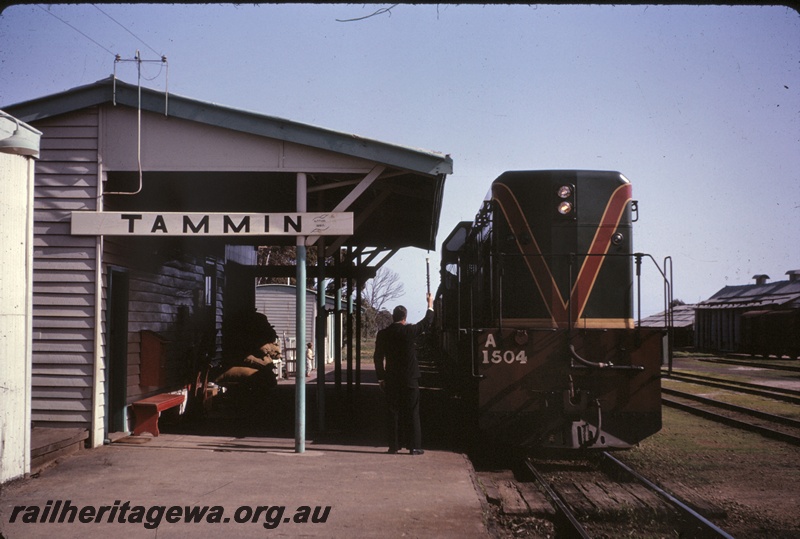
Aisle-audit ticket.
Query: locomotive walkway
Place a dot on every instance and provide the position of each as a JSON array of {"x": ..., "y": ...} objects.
[{"x": 249, "y": 482}]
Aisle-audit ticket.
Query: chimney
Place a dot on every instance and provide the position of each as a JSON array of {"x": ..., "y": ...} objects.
[
  {"x": 761, "y": 278},
  {"x": 794, "y": 275}
]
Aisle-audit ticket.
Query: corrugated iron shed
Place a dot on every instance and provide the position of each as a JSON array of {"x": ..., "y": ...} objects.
[
  {"x": 682, "y": 317},
  {"x": 784, "y": 294},
  {"x": 719, "y": 319}
]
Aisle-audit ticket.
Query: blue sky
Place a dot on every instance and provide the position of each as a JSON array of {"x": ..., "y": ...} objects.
[{"x": 698, "y": 106}]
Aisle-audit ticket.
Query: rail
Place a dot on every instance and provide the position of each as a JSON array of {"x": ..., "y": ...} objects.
[
  {"x": 706, "y": 525},
  {"x": 788, "y": 421},
  {"x": 568, "y": 524},
  {"x": 562, "y": 509},
  {"x": 777, "y": 393},
  {"x": 767, "y": 432}
]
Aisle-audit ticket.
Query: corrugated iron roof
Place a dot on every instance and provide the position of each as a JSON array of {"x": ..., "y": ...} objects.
[
  {"x": 121, "y": 93},
  {"x": 755, "y": 296},
  {"x": 409, "y": 195},
  {"x": 682, "y": 317}
]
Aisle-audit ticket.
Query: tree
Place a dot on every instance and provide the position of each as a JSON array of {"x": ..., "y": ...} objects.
[
  {"x": 377, "y": 293},
  {"x": 373, "y": 321},
  {"x": 382, "y": 289}
]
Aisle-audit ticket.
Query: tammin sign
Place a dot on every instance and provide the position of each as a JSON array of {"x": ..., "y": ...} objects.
[{"x": 134, "y": 223}]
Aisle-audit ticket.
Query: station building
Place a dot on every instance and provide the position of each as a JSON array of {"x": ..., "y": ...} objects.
[{"x": 181, "y": 194}]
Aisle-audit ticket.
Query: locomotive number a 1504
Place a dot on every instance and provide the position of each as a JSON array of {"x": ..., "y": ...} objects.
[{"x": 492, "y": 354}]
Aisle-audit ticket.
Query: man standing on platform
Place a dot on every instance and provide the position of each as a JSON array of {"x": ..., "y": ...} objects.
[{"x": 399, "y": 378}]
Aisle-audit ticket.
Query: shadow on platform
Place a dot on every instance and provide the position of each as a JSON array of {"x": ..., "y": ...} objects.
[{"x": 354, "y": 415}]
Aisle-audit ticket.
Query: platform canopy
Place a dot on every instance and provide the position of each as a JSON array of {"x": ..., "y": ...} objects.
[{"x": 165, "y": 152}]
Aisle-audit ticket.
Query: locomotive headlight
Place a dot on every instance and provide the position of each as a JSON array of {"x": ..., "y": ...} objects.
[
  {"x": 565, "y": 207},
  {"x": 565, "y": 203},
  {"x": 565, "y": 191}
]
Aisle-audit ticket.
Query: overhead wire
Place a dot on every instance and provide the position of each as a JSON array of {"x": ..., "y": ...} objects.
[
  {"x": 127, "y": 30},
  {"x": 380, "y": 11},
  {"x": 81, "y": 33},
  {"x": 96, "y": 42},
  {"x": 139, "y": 61}
]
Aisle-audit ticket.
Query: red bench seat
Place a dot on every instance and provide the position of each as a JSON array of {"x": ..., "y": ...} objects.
[{"x": 147, "y": 411}]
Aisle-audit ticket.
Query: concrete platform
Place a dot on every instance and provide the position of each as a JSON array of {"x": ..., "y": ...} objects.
[
  {"x": 252, "y": 482},
  {"x": 368, "y": 492}
]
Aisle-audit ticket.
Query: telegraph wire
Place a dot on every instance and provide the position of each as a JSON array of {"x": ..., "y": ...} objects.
[
  {"x": 98, "y": 44},
  {"x": 127, "y": 30},
  {"x": 138, "y": 60},
  {"x": 380, "y": 11},
  {"x": 81, "y": 33}
]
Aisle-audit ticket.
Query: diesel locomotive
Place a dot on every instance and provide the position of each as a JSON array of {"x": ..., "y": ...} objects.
[{"x": 535, "y": 314}]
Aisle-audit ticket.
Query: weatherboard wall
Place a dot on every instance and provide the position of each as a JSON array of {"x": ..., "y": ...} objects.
[
  {"x": 65, "y": 274},
  {"x": 70, "y": 287},
  {"x": 166, "y": 296}
]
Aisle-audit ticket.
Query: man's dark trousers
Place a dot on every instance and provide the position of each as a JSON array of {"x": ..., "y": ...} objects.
[{"x": 403, "y": 410}]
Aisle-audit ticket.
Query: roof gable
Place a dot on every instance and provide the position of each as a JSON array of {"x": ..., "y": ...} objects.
[
  {"x": 117, "y": 92},
  {"x": 210, "y": 157}
]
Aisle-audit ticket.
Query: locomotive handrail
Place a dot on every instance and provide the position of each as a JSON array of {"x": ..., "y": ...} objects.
[
  {"x": 669, "y": 315},
  {"x": 668, "y": 300},
  {"x": 666, "y": 276}
]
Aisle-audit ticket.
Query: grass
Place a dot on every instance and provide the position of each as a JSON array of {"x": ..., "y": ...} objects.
[
  {"x": 687, "y": 447},
  {"x": 754, "y": 402}
]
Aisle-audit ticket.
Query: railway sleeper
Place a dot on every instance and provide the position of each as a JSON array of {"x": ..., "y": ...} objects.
[
  {"x": 608, "y": 501},
  {"x": 536, "y": 500},
  {"x": 615, "y": 502},
  {"x": 514, "y": 498},
  {"x": 647, "y": 498},
  {"x": 512, "y": 501},
  {"x": 605, "y": 505},
  {"x": 575, "y": 498}
]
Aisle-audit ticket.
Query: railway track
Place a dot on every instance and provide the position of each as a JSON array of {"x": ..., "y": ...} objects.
[
  {"x": 769, "y": 425},
  {"x": 751, "y": 363},
  {"x": 595, "y": 496},
  {"x": 777, "y": 393}
]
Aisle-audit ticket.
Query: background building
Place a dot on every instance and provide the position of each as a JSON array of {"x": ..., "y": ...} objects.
[{"x": 761, "y": 318}]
